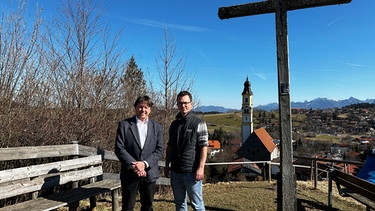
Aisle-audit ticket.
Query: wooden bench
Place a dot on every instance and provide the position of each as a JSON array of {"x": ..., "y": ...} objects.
[
  {"x": 349, "y": 185},
  {"x": 32, "y": 182}
]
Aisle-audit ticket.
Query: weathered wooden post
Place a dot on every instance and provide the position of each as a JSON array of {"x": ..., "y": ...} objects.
[
  {"x": 315, "y": 174},
  {"x": 286, "y": 198}
]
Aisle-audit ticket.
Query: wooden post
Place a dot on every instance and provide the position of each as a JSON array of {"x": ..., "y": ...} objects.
[
  {"x": 266, "y": 175},
  {"x": 92, "y": 202},
  {"x": 34, "y": 195},
  {"x": 287, "y": 195},
  {"x": 75, "y": 183},
  {"x": 115, "y": 203},
  {"x": 286, "y": 200},
  {"x": 330, "y": 188},
  {"x": 316, "y": 174},
  {"x": 312, "y": 170},
  {"x": 269, "y": 171}
]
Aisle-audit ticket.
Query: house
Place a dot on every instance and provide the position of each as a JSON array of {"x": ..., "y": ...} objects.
[
  {"x": 213, "y": 147},
  {"x": 249, "y": 169},
  {"x": 235, "y": 145},
  {"x": 338, "y": 150},
  {"x": 259, "y": 147}
]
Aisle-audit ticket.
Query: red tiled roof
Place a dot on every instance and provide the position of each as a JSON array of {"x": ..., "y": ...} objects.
[
  {"x": 215, "y": 144},
  {"x": 236, "y": 142},
  {"x": 233, "y": 167},
  {"x": 266, "y": 139},
  {"x": 351, "y": 169}
]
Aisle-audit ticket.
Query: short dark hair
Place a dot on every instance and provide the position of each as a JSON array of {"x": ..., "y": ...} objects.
[
  {"x": 183, "y": 93},
  {"x": 142, "y": 99}
]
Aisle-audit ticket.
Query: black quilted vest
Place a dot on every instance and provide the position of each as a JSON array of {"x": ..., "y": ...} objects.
[{"x": 183, "y": 139}]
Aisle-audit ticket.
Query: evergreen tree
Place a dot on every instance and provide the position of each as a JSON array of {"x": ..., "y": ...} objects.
[{"x": 134, "y": 83}]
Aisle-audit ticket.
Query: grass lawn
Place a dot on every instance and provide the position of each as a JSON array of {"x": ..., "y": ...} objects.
[{"x": 262, "y": 196}]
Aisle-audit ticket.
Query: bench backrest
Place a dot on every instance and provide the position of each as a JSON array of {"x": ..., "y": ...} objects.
[
  {"x": 23, "y": 153},
  {"x": 355, "y": 184},
  {"x": 14, "y": 182}
]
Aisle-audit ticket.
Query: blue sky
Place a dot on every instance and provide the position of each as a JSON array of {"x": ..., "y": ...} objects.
[{"x": 331, "y": 48}]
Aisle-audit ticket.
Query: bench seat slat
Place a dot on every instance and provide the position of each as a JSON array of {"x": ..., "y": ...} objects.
[
  {"x": 355, "y": 184},
  {"x": 38, "y": 204},
  {"x": 356, "y": 180},
  {"x": 355, "y": 187},
  {"x": 352, "y": 187},
  {"x": 67, "y": 197},
  {"x": 44, "y": 183},
  {"x": 361, "y": 199}
]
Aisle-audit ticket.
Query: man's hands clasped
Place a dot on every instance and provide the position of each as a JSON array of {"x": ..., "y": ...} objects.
[{"x": 139, "y": 168}]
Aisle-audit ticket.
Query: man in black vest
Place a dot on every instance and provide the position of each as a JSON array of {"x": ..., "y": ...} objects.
[{"x": 187, "y": 153}]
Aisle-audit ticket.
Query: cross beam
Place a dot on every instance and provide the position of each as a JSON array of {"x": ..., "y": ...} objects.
[
  {"x": 286, "y": 185},
  {"x": 265, "y": 7}
]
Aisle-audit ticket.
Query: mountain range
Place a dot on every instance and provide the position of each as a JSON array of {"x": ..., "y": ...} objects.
[{"x": 317, "y": 103}]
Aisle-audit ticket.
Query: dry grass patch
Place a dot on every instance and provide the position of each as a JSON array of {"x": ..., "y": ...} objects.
[{"x": 239, "y": 196}]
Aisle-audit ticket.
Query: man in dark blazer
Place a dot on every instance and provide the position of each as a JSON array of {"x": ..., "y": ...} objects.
[{"x": 139, "y": 147}]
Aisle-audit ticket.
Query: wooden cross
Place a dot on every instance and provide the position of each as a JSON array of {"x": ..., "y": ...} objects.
[{"x": 286, "y": 188}]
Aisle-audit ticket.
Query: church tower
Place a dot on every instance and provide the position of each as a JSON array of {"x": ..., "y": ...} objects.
[{"x": 247, "y": 111}]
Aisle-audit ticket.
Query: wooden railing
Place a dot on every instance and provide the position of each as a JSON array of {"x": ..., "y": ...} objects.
[
  {"x": 328, "y": 165},
  {"x": 80, "y": 150},
  {"x": 315, "y": 170}
]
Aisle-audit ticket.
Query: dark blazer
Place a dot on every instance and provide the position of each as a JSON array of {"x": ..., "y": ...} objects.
[{"x": 128, "y": 148}]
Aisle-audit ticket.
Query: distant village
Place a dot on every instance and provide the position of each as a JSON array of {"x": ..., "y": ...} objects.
[{"x": 353, "y": 125}]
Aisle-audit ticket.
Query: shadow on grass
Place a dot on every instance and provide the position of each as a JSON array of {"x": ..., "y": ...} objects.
[
  {"x": 218, "y": 209},
  {"x": 163, "y": 200},
  {"x": 303, "y": 204},
  {"x": 208, "y": 208}
]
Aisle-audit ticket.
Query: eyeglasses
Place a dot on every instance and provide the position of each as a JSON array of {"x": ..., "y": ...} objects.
[{"x": 182, "y": 103}]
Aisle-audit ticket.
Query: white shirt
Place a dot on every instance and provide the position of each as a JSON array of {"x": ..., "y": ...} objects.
[{"x": 142, "y": 129}]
